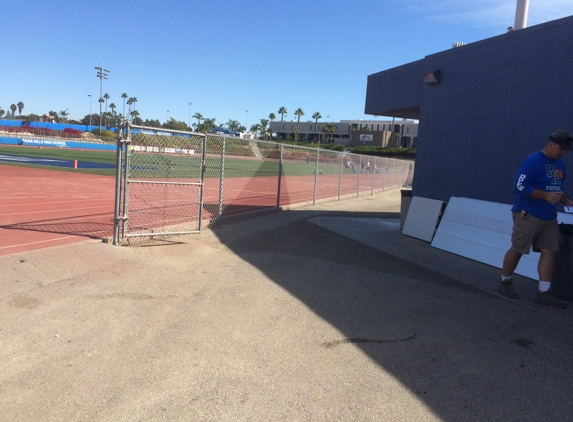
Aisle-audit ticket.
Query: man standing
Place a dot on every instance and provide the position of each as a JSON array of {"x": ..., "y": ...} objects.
[{"x": 538, "y": 187}]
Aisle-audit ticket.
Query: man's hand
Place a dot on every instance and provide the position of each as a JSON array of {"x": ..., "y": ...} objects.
[{"x": 552, "y": 197}]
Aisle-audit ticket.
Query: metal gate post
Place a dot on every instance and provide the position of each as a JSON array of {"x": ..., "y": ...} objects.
[
  {"x": 280, "y": 177},
  {"x": 118, "y": 180},
  {"x": 204, "y": 147},
  {"x": 127, "y": 171},
  {"x": 221, "y": 180}
]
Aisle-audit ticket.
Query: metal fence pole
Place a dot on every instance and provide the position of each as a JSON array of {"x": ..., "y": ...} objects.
[
  {"x": 393, "y": 173},
  {"x": 202, "y": 187},
  {"x": 118, "y": 180},
  {"x": 315, "y": 179},
  {"x": 385, "y": 174},
  {"x": 359, "y": 171},
  {"x": 372, "y": 175},
  {"x": 340, "y": 175},
  {"x": 280, "y": 177},
  {"x": 221, "y": 181}
]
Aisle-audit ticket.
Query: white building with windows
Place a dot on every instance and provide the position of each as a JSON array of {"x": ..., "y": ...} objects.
[{"x": 392, "y": 132}]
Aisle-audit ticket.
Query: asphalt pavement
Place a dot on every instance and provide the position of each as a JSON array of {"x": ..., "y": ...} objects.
[{"x": 321, "y": 313}]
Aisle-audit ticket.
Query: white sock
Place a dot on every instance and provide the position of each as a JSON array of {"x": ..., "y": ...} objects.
[
  {"x": 544, "y": 286},
  {"x": 504, "y": 278}
]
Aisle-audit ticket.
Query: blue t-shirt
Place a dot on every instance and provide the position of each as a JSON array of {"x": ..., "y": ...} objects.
[{"x": 538, "y": 171}]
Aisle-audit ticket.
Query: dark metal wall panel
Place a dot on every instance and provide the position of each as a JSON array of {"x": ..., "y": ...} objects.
[
  {"x": 395, "y": 89},
  {"x": 498, "y": 101}
]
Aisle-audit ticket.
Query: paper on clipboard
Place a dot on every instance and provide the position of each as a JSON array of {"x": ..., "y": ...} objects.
[{"x": 568, "y": 209}]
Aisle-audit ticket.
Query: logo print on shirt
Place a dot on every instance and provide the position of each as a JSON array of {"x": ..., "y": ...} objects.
[{"x": 552, "y": 174}]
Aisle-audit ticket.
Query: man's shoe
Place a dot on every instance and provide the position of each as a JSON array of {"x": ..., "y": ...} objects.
[
  {"x": 547, "y": 298},
  {"x": 506, "y": 289}
]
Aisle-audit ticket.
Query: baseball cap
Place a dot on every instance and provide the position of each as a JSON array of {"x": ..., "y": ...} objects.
[{"x": 563, "y": 139}]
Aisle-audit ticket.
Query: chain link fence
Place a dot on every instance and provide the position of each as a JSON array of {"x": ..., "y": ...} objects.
[{"x": 171, "y": 182}]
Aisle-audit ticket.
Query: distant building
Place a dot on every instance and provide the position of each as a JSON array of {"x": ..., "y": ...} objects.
[
  {"x": 386, "y": 133},
  {"x": 46, "y": 118}
]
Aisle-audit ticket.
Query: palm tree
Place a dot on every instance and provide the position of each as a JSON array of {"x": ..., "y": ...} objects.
[
  {"x": 64, "y": 114},
  {"x": 134, "y": 115},
  {"x": 112, "y": 106},
  {"x": 233, "y": 125},
  {"x": 207, "y": 125},
  {"x": 129, "y": 103},
  {"x": 124, "y": 96},
  {"x": 272, "y": 117},
  {"x": 13, "y": 108},
  {"x": 299, "y": 113},
  {"x": 1, "y": 112},
  {"x": 282, "y": 112},
  {"x": 198, "y": 116},
  {"x": 255, "y": 128},
  {"x": 270, "y": 132},
  {"x": 316, "y": 116},
  {"x": 20, "y": 108},
  {"x": 296, "y": 132},
  {"x": 263, "y": 128},
  {"x": 330, "y": 129}
]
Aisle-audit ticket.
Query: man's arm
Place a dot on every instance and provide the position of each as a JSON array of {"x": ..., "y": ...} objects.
[{"x": 551, "y": 197}]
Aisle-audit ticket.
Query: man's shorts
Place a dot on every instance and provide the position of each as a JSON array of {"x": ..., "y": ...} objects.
[{"x": 530, "y": 231}]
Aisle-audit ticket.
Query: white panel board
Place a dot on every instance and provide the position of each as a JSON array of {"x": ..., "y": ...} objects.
[
  {"x": 481, "y": 230},
  {"x": 422, "y": 219}
]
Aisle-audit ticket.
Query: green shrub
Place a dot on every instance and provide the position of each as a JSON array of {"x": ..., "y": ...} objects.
[{"x": 395, "y": 152}]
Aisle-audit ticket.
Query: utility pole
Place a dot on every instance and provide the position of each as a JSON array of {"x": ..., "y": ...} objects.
[
  {"x": 101, "y": 74},
  {"x": 89, "y": 95}
]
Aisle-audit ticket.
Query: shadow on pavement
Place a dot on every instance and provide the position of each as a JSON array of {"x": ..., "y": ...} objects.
[{"x": 466, "y": 353}]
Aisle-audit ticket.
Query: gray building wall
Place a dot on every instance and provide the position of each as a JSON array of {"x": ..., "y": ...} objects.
[{"x": 497, "y": 102}]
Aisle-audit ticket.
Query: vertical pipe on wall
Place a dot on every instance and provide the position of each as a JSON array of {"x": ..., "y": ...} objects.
[{"x": 521, "y": 11}]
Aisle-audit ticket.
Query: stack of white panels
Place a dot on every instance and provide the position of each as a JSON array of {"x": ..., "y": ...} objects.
[{"x": 481, "y": 230}]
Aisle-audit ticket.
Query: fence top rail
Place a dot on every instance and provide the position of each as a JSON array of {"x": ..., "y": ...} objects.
[{"x": 163, "y": 130}]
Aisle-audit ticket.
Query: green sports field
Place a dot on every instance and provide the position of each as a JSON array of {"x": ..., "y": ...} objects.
[{"x": 166, "y": 165}]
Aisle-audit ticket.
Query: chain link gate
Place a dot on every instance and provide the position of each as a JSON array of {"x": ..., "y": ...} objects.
[
  {"x": 159, "y": 182},
  {"x": 172, "y": 182}
]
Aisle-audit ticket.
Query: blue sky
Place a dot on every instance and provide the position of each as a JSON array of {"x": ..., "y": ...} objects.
[{"x": 227, "y": 57}]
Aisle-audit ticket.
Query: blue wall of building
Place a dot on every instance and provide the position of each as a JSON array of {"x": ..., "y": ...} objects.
[
  {"x": 53, "y": 126},
  {"x": 54, "y": 143},
  {"x": 497, "y": 102}
]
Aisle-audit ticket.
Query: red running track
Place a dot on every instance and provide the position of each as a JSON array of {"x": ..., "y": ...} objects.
[{"x": 42, "y": 208}]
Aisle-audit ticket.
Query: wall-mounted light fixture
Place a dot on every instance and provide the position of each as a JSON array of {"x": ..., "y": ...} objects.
[{"x": 432, "y": 77}]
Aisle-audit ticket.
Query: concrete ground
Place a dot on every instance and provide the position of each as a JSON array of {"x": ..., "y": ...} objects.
[{"x": 325, "y": 313}]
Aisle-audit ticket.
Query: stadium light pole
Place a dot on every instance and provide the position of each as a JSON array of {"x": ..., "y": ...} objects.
[
  {"x": 101, "y": 74},
  {"x": 246, "y": 120},
  {"x": 190, "y": 104},
  {"x": 167, "y": 116},
  {"x": 89, "y": 95}
]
